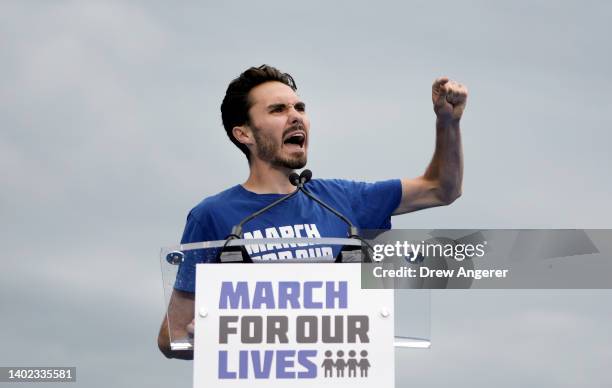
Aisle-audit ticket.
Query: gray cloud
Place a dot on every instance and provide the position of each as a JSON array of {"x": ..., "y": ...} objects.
[{"x": 110, "y": 132}]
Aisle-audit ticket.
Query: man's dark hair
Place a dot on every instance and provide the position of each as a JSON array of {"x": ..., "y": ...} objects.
[{"x": 235, "y": 106}]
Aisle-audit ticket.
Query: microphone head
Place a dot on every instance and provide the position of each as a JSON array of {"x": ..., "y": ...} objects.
[
  {"x": 306, "y": 176},
  {"x": 294, "y": 179}
]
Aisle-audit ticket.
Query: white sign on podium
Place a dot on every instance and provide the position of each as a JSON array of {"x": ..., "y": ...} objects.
[
  {"x": 299, "y": 321},
  {"x": 298, "y": 325}
]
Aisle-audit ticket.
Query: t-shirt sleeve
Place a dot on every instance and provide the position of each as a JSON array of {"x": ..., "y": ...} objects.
[
  {"x": 374, "y": 203},
  {"x": 194, "y": 232}
]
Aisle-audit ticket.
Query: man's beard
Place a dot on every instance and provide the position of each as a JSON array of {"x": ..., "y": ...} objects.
[{"x": 269, "y": 150}]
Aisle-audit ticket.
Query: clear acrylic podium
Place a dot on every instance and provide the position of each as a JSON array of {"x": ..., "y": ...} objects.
[{"x": 411, "y": 306}]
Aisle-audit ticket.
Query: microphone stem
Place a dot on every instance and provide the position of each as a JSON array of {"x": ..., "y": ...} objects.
[
  {"x": 237, "y": 230},
  {"x": 352, "y": 229}
]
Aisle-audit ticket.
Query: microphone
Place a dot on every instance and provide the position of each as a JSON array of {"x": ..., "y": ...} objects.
[
  {"x": 294, "y": 179},
  {"x": 305, "y": 176},
  {"x": 300, "y": 180}
]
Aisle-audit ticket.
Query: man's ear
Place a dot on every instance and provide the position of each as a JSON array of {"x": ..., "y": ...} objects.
[{"x": 243, "y": 134}]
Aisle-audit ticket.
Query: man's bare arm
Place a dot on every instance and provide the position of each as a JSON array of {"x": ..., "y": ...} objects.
[
  {"x": 441, "y": 183},
  {"x": 180, "y": 314}
]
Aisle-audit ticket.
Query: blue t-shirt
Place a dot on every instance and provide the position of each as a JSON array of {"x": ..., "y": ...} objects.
[{"x": 366, "y": 205}]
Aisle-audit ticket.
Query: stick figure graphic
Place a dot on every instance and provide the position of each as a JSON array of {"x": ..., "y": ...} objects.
[
  {"x": 352, "y": 364},
  {"x": 364, "y": 364},
  {"x": 340, "y": 364},
  {"x": 328, "y": 364}
]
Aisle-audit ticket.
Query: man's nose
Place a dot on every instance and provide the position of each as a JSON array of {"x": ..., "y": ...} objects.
[{"x": 295, "y": 116}]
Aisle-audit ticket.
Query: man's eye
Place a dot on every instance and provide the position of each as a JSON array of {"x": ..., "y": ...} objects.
[
  {"x": 300, "y": 107},
  {"x": 277, "y": 109}
]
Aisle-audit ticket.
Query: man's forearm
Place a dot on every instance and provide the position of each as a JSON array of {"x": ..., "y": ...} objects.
[
  {"x": 446, "y": 167},
  {"x": 441, "y": 183}
]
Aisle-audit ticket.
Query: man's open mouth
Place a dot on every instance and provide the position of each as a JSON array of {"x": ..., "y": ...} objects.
[{"x": 297, "y": 138}]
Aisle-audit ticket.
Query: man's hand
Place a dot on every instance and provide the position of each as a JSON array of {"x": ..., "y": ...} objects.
[
  {"x": 191, "y": 328},
  {"x": 449, "y": 99}
]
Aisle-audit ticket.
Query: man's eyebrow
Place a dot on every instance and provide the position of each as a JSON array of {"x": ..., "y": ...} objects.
[
  {"x": 275, "y": 106},
  {"x": 299, "y": 104}
]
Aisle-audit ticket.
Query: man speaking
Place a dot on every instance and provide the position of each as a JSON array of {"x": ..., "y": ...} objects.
[{"x": 265, "y": 118}]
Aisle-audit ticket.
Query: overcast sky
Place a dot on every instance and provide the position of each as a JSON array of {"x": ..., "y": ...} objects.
[{"x": 111, "y": 132}]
